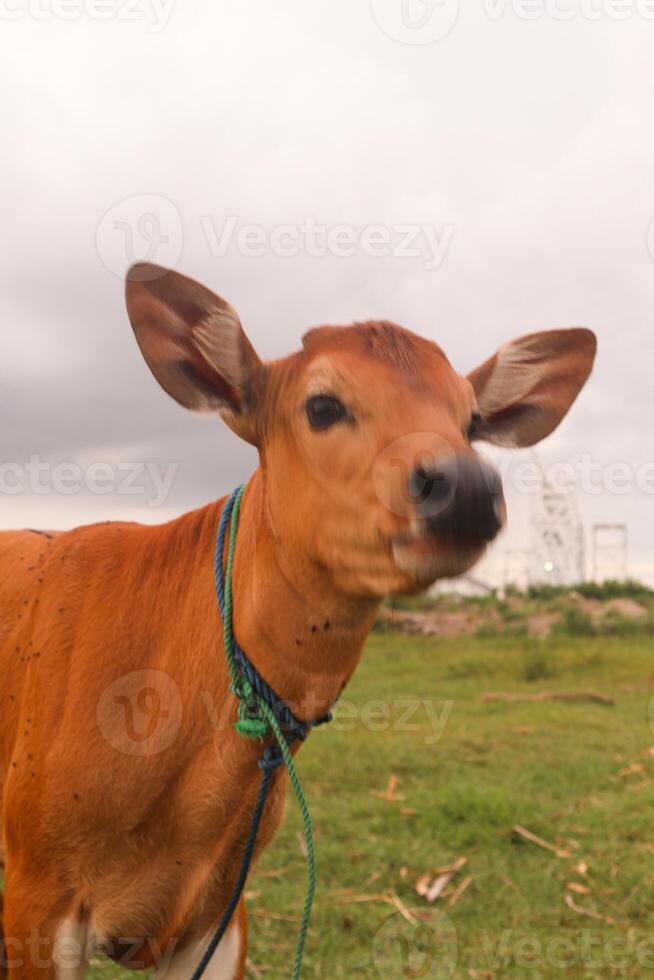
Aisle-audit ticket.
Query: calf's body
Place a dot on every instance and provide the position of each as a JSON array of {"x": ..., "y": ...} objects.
[
  {"x": 125, "y": 815},
  {"x": 126, "y": 792}
]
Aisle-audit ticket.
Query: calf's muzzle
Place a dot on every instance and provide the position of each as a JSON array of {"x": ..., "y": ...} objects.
[{"x": 460, "y": 499}]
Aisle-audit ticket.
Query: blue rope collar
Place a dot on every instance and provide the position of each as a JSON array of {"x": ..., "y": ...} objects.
[
  {"x": 290, "y": 729},
  {"x": 294, "y": 729}
]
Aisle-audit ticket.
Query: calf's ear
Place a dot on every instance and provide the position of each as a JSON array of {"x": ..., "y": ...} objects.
[
  {"x": 194, "y": 344},
  {"x": 526, "y": 388}
]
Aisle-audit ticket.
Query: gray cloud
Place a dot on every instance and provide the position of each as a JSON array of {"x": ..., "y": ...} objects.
[{"x": 531, "y": 140}]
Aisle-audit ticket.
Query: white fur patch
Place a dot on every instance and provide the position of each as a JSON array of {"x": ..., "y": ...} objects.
[
  {"x": 69, "y": 950},
  {"x": 223, "y": 963}
]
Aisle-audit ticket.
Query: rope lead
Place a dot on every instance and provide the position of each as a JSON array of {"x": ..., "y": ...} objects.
[{"x": 260, "y": 713}]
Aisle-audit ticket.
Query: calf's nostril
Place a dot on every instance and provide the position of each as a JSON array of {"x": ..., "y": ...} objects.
[{"x": 431, "y": 486}]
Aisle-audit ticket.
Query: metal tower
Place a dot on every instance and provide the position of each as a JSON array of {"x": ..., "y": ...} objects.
[{"x": 557, "y": 537}]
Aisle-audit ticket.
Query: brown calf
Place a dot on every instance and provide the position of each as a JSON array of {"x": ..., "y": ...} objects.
[{"x": 125, "y": 834}]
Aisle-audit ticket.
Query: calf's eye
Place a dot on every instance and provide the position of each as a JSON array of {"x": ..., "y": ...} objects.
[{"x": 323, "y": 411}]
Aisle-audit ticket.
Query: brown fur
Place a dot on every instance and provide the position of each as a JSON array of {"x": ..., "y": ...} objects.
[{"x": 147, "y": 845}]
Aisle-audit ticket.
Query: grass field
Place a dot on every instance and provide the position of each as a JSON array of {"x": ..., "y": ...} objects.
[{"x": 578, "y": 775}]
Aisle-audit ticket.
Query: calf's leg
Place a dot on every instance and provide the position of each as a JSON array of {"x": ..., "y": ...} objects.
[{"x": 40, "y": 941}]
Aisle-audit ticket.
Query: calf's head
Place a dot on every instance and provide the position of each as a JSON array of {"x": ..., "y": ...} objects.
[{"x": 365, "y": 436}]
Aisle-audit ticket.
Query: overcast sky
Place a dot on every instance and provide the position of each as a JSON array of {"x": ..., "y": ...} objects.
[{"x": 472, "y": 174}]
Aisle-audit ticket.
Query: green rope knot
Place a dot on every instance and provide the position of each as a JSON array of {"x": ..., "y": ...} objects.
[
  {"x": 251, "y": 723},
  {"x": 255, "y": 720}
]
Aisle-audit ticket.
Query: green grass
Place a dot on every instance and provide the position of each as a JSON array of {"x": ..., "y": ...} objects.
[
  {"x": 555, "y": 768},
  {"x": 612, "y": 589}
]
